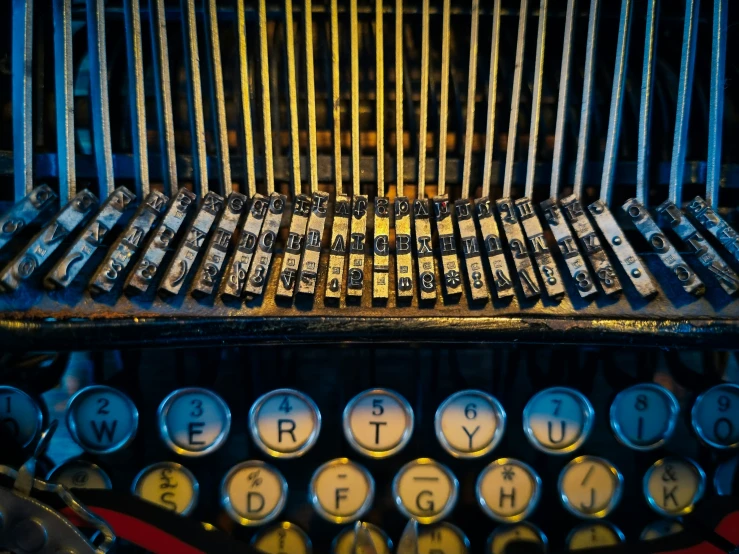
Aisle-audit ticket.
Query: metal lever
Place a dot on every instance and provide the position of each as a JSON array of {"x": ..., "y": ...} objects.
[
  {"x": 27, "y": 525},
  {"x": 363, "y": 540},
  {"x": 409, "y": 540}
]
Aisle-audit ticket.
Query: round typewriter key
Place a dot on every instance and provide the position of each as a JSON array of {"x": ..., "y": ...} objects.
[
  {"x": 661, "y": 529},
  {"x": 194, "y": 421},
  {"x": 724, "y": 477},
  {"x": 425, "y": 490},
  {"x": 284, "y": 423},
  {"x": 344, "y": 542},
  {"x": 672, "y": 486},
  {"x": 590, "y": 487},
  {"x": 715, "y": 416},
  {"x": 508, "y": 490},
  {"x": 169, "y": 485},
  {"x": 594, "y": 535},
  {"x": 443, "y": 537},
  {"x": 558, "y": 420},
  {"x": 523, "y": 532},
  {"x": 643, "y": 417},
  {"x": 282, "y": 538},
  {"x": 378, "y": 422},
  {"x": 341, "y": 490},
  {"x": 19, "y": 415},
  {"x": 470, "y": 424},
  {"x": 80, "y": 474},
  {"x": 253, "y": 493},
  {"x": 102, "y": 419}
]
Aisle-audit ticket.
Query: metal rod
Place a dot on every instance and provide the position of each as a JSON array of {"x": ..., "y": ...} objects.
[
  {"x": 245, "y": 99},
  {"x": 487, "y": 173},
  {"x": 380, "y": 96},
  {"x": 163, "y": 86},
  {"x": 563, "y": 100},
  {"x": 218, "y": 97},
  {"x": 515, "y": 100},
  {"x": 194, "y": 97},
  {"x": 354, "y": 39},
  {"x": 684, "y": 95},
  {"x": 99, "y": 96},
  {"x": 311, "y": 90},
  {"x": 587, "y": 97},
  {"x": 617, "y": 102},
  {"x": 292, "y": 96},
  {"x": 444, "y": 97},
  {"x": 22, "y": 52},
  {"x": 423, "y": 123},
  {"x": 716, "y": 113},
  {"x": 399, "y": 96},
  {"x": 536, "y": 99},
  {"x": 645, "y": 109},
  {"x": 269, "y": 175},
  {"x": 336, "y": 96},
  {"x": 63, "y": 80},
  {"x": 132, "y": 17},
  {"x": 471, "y": 92}
]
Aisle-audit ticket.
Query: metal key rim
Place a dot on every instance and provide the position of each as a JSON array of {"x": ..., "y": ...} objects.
[
  {"x": 54, "y": 473},
  {"x": 287, "y": 526},
  {"x": 333, "y": 518},
  {"x": 187, "y": 510},
  {"x": 500, "y": 416},
  {"x": 39, "y": 414},
  {"x": 450, "y": 503},
  {"x": 611, "y": 527},
  {"x": 163, "y": 412},
  {"x": 672, "y": 405},
  {"x": 535, "y": 492},
  {"x": 502, "y": 528},
  {"x": 226, "y": 498},
  {"x": 615, "y": 497},
  {"x": 349, "y": 530},
  {"x": 588, "y": 414},
  {"x": 697, "y": 495},
  {"x": 698, "y": 428}
]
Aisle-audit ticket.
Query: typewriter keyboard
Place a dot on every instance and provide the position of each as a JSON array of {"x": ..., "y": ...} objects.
[{"x": 286, "y": 448}]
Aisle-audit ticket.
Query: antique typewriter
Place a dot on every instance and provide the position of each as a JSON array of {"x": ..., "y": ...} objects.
[{"x": 368, "y": 276}]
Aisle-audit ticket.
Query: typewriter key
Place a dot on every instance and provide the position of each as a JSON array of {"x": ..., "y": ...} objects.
[
  {"x": 341, "y": 490},
  {"x": 253, "y": 493},
  {"x": 344, "y": 541},
  {"x": 660, "y": 529},
  {"x": 672, "y": 486},
  {"x": 590, "y": 487},
  {"x": 643, "y": 417},
  {"x": 724, "y": 476},
  {"x": 508, "y": 490},
  {"x": 594, "y": 535},
  {"x": 499, "y": 539},
  {"x": 715, "y": 416},
  {"x": 19, "y": 415},
  {"x": 558, "y": 420},
  {"x": 80, "y": 474},
  {"x": 470, "y": 424},
  {"x": 168, "y": 485},
  {"x": 378, "y": 422},
  {"x": 102, "y": 419},
  {"x": 444, "y": 537},
  {"x": 425, "y": 490},
  {"x": 284, "y": 423},
  {"x": 194, "y": 421},
  {"x": 283, "y": 537}
]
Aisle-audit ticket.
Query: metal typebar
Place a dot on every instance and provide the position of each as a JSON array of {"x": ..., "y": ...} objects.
[
  {"x": 616, "y": 239},
  {"x": 645, "y": 109},
  {"x": 399, "y": 96},
  {"x": 336, "y": 98},
  {"x": 64, "y": 97},
  {"x": 444, "y": 96},
  {"x": 22, "y": 82},
  {"x": 259, "y": 271}
]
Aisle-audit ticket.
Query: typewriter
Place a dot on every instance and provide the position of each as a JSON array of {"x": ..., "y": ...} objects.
[{"x": 389, "y": 276}]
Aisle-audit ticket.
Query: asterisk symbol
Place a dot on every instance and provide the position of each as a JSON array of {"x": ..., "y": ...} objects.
[
  {"x": 508, "y": 473},
  {"x": 452, "y": 278}
]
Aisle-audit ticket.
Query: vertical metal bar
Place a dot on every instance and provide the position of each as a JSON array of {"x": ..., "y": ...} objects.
[
  {"x": 617, "y": 102},
  {"x": 471, "y": 93},
  {"x": 245, "y": 100},
  {"x": 99, "y": 95},
  {"x": 336, "y": 96},
  {"x": 444, "y": 95},
  {"x": 587, "y": 97},
  {"x": 311, "y": 94},
  {"x": 536, "y": 99},
  {"x": 213, "y": 48},
  {"x": 684, "y": 96},
  {"x": 354, "y": 39},
  {"x": 645, "y": 109},
  {"x": 269, "y": 174},
  {"x": 292, "y": 100},
  {"x": 487, "y": 173},
  {"x": 716, "y": 113},
  {"x": 399, "y": 154},
  {"x": 22, "y": 52},
  {"x": 160, "y": 56},
  {"x": 563, "y": 100},
  {"x": 132, "y": 18},
  {"x": 423, "y": 123},
  {"x": 64, "y": 96},
  {"x": 380, "y": 96}
]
